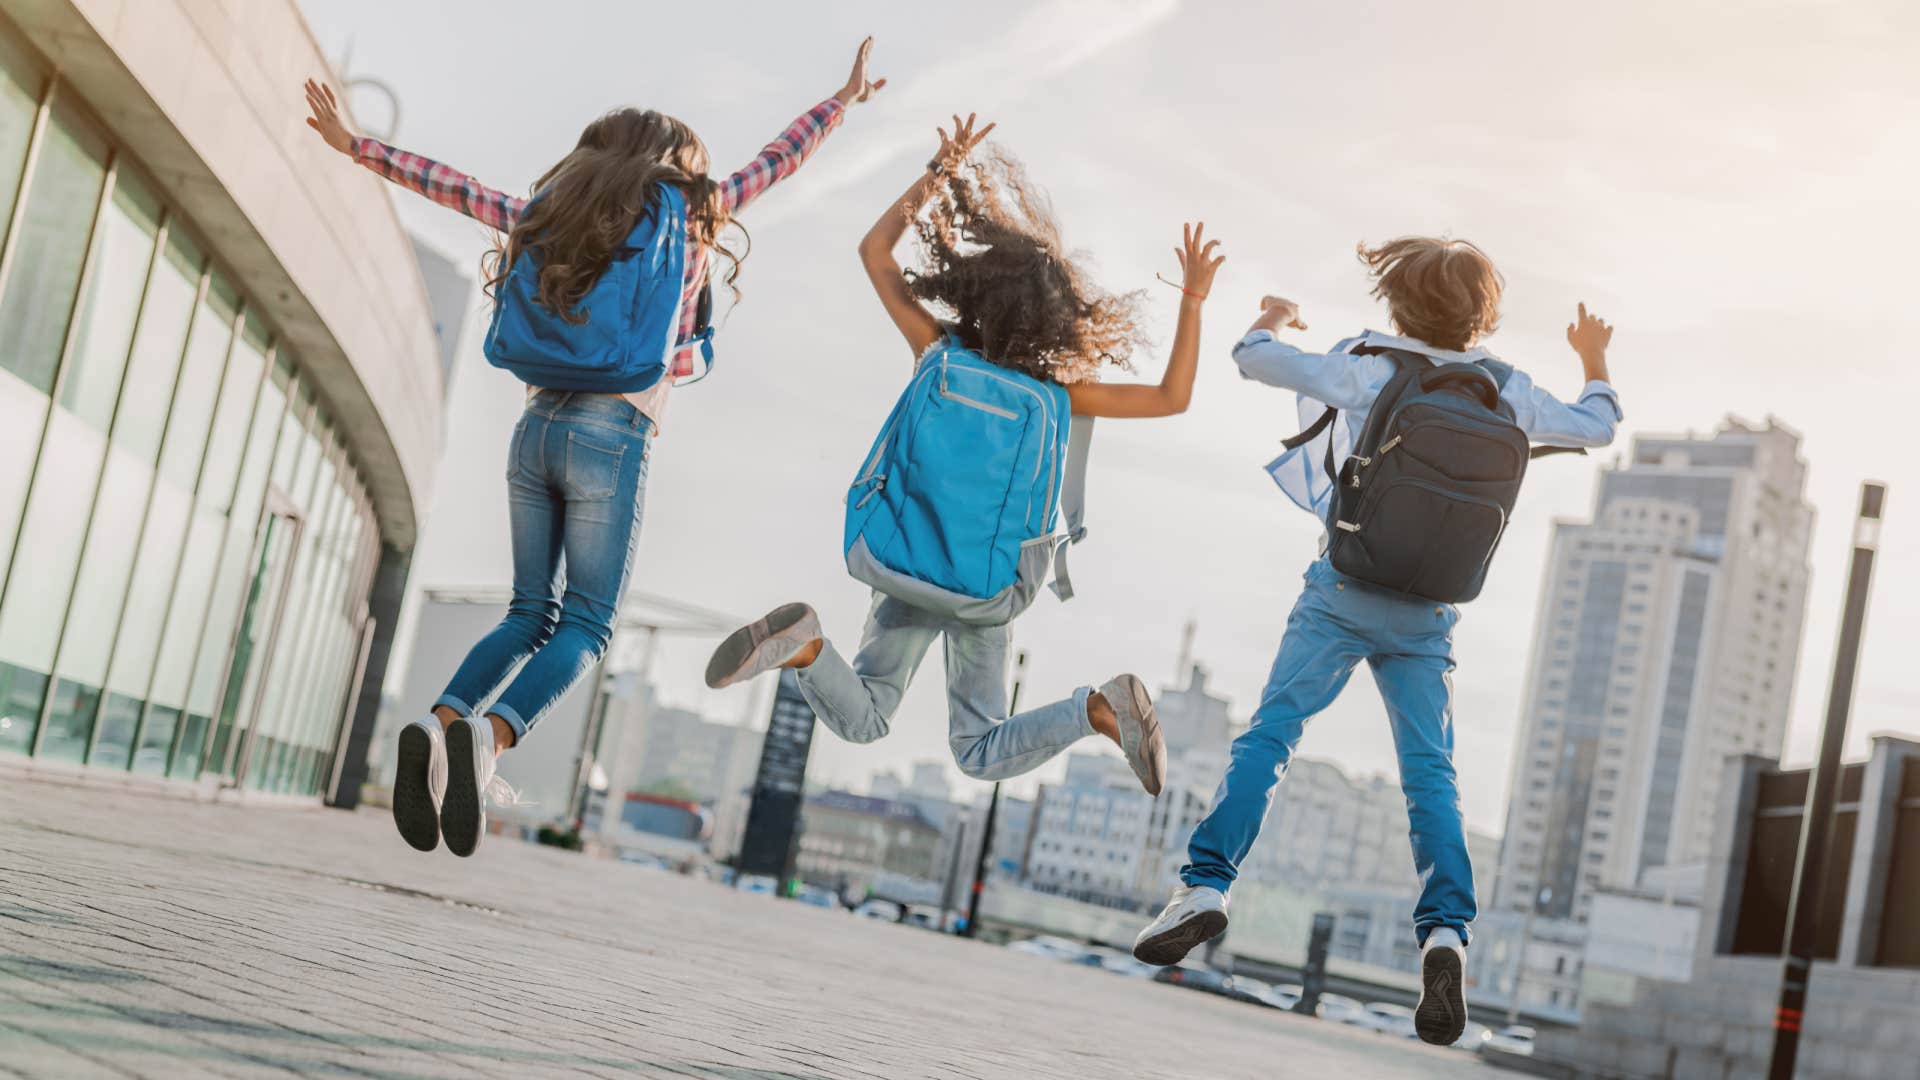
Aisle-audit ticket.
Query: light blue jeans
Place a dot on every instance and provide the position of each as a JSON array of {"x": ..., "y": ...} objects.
[
  {"x": 1408, "y": 642},
  {"x": 576, "y": 482},
  {"x": 857, "y": 701}
]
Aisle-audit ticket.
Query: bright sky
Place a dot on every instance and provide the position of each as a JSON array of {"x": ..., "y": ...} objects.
[{"x": 1730, "y": 183}]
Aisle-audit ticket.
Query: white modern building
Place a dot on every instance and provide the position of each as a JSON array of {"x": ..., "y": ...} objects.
[
  {"x": 220, "y": 404},
  {"x": 1666, "y": 641}
]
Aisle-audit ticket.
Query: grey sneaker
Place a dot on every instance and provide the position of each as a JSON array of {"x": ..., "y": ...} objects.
[
  {"x": 1441, "y": 1016},
  {"x": 470, "y": 783},
  {"x": 420, "y": 782},
  {"x": 763, "y": 645},
  {"x": 1195, "y": 914},
  {"x": 1140, "y": 737}
]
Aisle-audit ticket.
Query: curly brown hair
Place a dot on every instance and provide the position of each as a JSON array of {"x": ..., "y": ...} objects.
[
  {"x": 588, "y": 203},
  {"x": 991, "y": 257},
  {"x": 1444, "y": 292}
]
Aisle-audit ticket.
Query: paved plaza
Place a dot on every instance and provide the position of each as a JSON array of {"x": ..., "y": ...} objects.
[{"x": 146, "y": 935}]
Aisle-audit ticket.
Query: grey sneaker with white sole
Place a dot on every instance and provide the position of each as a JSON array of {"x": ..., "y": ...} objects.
[
  {"x": 1140, "y": 738},
  {"x": 763, "y": 645}
]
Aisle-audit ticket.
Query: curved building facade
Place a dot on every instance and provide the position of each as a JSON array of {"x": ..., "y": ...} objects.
[{"x": 220, "y": 402}]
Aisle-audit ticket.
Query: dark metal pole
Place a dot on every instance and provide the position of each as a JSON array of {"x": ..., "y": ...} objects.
[
  {"x": 1810, "y": 867},
  {"x": 993, "y": 810}
]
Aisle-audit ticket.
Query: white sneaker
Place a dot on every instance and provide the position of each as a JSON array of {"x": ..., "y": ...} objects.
[
  {"x": 420, "y": 782},
  {"x": 1441, "y": 1016},
  {"x": 470, "y": 779},
  {"x": 1140, "y": 737},
  {"x": 763, "y": 645},
  {"x": 1195, "y": 914}
]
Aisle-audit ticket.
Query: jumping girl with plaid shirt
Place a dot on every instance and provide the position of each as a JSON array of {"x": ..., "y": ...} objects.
[{"x": 578, "y": 462}]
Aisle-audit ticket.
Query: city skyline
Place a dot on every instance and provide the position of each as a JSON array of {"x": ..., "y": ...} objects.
[{"x": 1580, "y": 198}]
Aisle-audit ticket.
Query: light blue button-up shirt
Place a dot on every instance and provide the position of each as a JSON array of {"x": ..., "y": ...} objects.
[{"x": 1352, "y": 382}]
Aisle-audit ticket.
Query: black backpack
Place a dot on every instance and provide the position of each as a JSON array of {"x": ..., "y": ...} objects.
[{"x": 1421, "y": 503}]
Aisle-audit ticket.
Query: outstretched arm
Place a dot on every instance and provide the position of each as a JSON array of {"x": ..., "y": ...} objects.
[
  {"x": 1170, "y": 397},
  {"x": 876, "y": 248},
  {"x": 448, "y": 187},
  {"x": 783, "y": 156},
  {"x": 1588, "y": 422}
]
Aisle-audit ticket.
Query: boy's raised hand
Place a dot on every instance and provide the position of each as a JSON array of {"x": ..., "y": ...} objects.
[
  {"x": 326, "y": 117},
  {"x": 954, "y": 150},
  {"x": 859, "y": 86},
  {"x": 1276, "y": 312},
  {"x": 1590, "y": 335},
  {"x": 1197, "y": 260}
]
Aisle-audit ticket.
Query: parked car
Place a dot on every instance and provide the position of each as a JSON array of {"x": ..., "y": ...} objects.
[
  {"x": 1251, "y": 991},
  {"x": 642, "y": 858},
  {"x": 1517, "y": 1039},
  {"x": 1196, "y": 978},
  {"x": 815, "y": 896},
  {"x": 1048, "y": 947},
  {"x": 758, "y": 884},
  {"x": 1340, "y": 1010},
  {"x": 1389, "y": 1019},
  {"x": 1124, "y": 964},
  {"x": 1473, "y": 1036},
  {"x": 880, "y": 911},
  {"x": 1273, "y": 997}
]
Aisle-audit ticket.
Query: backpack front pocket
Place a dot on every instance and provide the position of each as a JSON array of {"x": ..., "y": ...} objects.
[{"x": 1459, "y": 534}]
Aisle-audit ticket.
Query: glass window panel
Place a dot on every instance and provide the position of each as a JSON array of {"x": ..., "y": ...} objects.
[
  {"x": 119, "y": 715},
  {"x": 261, "y": 437},
  {"x": 187, "y": 611},
  {"x": 286, "y": 459},
  {"x": 292, "y": 661},
  {"x": 232, "y": 420},
  {"x": 264, "y": 598},
  {"x": 199, "y": 386},
  {"x": 157, "y": 345},
  {"x": 20, "y": 83},
  {"x": 44, "y": 274},
  {"x": 122, "y": 253},
  {"x": 20, "y": 694},
  {"x": 146, "y": 607},
  {"x": 69, "y": 722}
]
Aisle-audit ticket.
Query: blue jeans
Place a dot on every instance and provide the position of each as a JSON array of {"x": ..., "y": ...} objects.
[
  {"x": 1408, "y": 642},
  {"x": 857, "y": 701},
  {"x": 576, "y": 481}
]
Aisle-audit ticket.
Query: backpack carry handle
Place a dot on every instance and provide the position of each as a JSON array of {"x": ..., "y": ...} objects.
[{"x": 1469, "y": 377}]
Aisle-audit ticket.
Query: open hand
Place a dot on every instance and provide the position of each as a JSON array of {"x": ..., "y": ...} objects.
[
  {"x": 954, "y": 150},
  {"x": 1589, "y": 334},
  {"x": 326, "y": 117},
  {"x": 1279, "y": 311},
  {"x": 1197, "y": 260},
  {"x": 860, "y": 86}
]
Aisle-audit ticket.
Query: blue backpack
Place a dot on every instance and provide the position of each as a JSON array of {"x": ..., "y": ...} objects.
[
  {"x": 633, "y": 313},
  {"x": 954, "y": 510}
]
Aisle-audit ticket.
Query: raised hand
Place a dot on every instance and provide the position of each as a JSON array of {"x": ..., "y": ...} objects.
[
  {"x": 326, "y": 117},
  {"x": 1197, "y": 260},
  {"x": 954, "y": 150},
  {"x": 1279, "y": 311},
  {"x": 859, "y": 86},
  {"x": 1590, "y": 335}
]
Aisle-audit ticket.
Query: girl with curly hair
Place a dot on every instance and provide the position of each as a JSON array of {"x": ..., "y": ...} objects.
[{"x": 994, "y": 282}]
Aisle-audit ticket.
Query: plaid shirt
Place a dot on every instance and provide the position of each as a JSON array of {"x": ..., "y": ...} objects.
[{"x": 496, "y": 209}]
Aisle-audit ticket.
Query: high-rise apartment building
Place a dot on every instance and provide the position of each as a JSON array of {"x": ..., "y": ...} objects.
[{"x": 1666, "y": 640}]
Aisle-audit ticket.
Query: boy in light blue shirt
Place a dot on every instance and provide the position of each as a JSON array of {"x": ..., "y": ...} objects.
[{"x": 1443, "y": 296}]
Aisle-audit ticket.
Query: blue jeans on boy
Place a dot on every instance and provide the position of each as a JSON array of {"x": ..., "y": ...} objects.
[
  {"x": 576, "y": 481},
  {"x": 1408, "y": 642},
  {"x": 857, "y": 701}
]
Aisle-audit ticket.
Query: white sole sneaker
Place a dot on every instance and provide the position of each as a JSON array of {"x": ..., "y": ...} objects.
[
  {"x": 463, "y": 814},
  {"x": 763, "y": 645},
  {"x": 1140, "y": 737},
  {"x": 1441, "y": 1016},
  {"x": 416, "y": 803},
  {"x": 1189, "y": 921}
]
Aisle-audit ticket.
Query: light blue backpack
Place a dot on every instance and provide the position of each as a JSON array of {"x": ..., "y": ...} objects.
[
  {"x": 955, "y": 509},
  {"x": 633, "y": 313}
]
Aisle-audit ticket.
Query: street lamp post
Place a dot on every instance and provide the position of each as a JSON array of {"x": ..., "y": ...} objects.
[
  {"x": 993, "y": 810},
  {"x": 1810, "y": 867}
]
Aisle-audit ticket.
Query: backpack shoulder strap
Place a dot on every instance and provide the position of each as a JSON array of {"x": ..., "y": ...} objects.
[{"x": 1073, "y": 501}]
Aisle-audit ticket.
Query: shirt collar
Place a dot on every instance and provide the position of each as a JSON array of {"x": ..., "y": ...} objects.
[{"x": 1376, "y": 339}]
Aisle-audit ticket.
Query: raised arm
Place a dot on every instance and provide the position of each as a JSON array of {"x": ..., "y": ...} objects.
[
  {"x": 876, "y": 248},
  {"x": 783, "y": 156},
  {"x": 449, "y": 187},
  {"x": 1589, "y": 421},
  {"x": 1198, "y": 264}
]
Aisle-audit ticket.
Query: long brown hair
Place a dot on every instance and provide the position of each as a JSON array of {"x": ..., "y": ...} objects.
[
  {"x": 991, "y": 256},
  {"x": 1444, "y": 292},
  {"x": 588, "y": 203}
]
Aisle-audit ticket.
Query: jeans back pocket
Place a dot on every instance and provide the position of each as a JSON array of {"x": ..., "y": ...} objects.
[{"x": 593, "y": 468}]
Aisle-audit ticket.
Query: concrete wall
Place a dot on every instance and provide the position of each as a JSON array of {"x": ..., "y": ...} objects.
[{"x": 205, "y": 94}]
